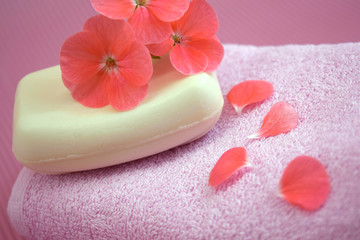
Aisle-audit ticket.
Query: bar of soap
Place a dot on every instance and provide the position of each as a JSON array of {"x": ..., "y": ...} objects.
[{"x": 53, "y": 133}]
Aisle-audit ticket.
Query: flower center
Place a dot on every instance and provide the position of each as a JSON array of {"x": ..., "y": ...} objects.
[
  {"x": 140, "y": 2},
  {"x": 110, "y": 63},
  {"x": 177, "y": 39}
]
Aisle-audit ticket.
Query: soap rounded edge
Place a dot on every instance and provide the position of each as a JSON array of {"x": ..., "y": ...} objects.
[{"x": 92, "y": 162}]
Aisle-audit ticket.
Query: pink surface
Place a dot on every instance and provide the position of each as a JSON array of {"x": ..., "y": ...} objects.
[
  {"x": 32, "y": 33},
  {"x": 167, "y": 196}
]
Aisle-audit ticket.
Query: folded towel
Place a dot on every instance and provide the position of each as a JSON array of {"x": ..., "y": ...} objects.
[{"x": 167, "y": 196}]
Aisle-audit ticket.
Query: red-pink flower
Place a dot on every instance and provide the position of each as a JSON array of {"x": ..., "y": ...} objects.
[
  {"x": 105, "y": 64},
  {"x": 149, "y": 18},
  {"x": 193, "y": 42}
]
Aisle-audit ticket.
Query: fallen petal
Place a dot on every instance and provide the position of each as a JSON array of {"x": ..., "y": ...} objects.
[
  {"x": 281, "y": 118},
  {"x": 305, "y": 183},
  {"x": 249, "y": 92},
  {"x": 228, "y": 163}
]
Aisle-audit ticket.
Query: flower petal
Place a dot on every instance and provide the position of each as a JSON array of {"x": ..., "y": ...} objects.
[
  {"x": 159, "y": 49},
  {"x": 148, "y": 28},
  {"x": 249, "y": 92},
  {"x": 80, "y": 57},
  {"x": 168, "y": 11},
  {"x": 90, "y": 93},
  {"x": 228, "y": 163},
  {"x": 135, "y": 64},
  {"x": 188, "y": 60},
  {"x": 213, "y": 50},
  {"x": 281, "y": 118},
  {"x": 305, "y": 183},
  {"x": 115, "y": 9},
  {"x": 200, "y": 21},
  {"x": 122, "y": 95},
  {"x": 115, "y": 35}
]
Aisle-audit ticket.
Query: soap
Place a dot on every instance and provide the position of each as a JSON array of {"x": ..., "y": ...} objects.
[{"x": 52, "y": 133}]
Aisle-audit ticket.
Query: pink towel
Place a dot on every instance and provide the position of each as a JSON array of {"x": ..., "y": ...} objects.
[{"x": 167, "y": 196}]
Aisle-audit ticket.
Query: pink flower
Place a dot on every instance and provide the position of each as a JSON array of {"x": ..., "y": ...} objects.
[
  {"x": 105, "y": 64},
  {"x": 149, "y": 18},
  {"x": 193, "y": 42}
]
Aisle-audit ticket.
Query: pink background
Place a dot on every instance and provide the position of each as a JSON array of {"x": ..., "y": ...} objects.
[{"x": 32, "y": 33}]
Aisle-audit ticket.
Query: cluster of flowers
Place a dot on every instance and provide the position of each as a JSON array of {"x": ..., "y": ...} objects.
[{"x": 109, "y": 61}]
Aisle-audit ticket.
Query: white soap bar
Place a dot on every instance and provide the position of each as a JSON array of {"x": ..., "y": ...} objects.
[{"x": 55, "y": 134}]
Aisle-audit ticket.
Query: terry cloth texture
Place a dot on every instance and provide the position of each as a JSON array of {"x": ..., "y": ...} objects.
[{"x": 167, "y": 196}]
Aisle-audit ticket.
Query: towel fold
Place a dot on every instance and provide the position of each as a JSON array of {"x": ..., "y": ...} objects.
[{"x": 167, "y": 196}]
